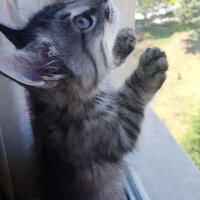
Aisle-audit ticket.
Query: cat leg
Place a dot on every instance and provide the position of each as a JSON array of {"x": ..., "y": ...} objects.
[
  {"x": 124, "y": 45},
  {"x": 139, "y": 89}
]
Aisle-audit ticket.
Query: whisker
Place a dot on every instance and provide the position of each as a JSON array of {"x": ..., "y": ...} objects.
[{"x": 51, "y": 62}]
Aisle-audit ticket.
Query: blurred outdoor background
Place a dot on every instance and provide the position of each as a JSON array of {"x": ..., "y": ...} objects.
[{"x": 174, "y": 25}]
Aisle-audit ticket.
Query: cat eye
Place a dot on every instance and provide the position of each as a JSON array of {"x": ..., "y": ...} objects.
[{"x": 83, "y": 22}]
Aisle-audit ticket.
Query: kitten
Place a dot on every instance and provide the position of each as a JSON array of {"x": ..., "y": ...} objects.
[{"x": 82, "y": 128}]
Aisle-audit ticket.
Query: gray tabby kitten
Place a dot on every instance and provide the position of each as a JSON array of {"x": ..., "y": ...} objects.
[{"x": 82, "y": 128}]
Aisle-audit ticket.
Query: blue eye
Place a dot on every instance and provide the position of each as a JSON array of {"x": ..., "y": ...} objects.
[{"x": 83, "y": 22}]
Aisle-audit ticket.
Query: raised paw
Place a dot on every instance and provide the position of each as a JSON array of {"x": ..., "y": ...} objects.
[
  {"x": 152, "y": 68},
  {"x": 126, "y": 40},
  {"x": 124, "y": 45}
]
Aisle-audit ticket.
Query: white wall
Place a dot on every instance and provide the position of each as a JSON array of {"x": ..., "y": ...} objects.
[{"x": 127, "y": 10}]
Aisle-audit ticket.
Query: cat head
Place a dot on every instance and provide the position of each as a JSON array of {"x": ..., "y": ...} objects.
[{"x": 64, "y": 45}]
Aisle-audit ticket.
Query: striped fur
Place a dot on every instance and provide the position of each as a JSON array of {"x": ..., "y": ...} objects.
[{"x": 82, "y": 127}]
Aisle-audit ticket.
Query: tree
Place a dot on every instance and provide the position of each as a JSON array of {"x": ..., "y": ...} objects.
[
  {"x": 145, "y": 6},
  {"x": 191, "y": 140},
  {"x": 189, "y": 14}
]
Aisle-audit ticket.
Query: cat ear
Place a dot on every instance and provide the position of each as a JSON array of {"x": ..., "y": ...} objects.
[
  {"x": 17, "y": 37},
  {"x": 28, "y": 71}
]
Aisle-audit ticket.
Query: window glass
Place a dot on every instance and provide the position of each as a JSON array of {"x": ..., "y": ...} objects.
[{"x": 174, "y": 25}]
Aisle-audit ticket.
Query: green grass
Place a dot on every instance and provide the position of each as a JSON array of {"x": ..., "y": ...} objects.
[
  {"x": 163, "y": 30},
  {"x": 191, "y": 139}
]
